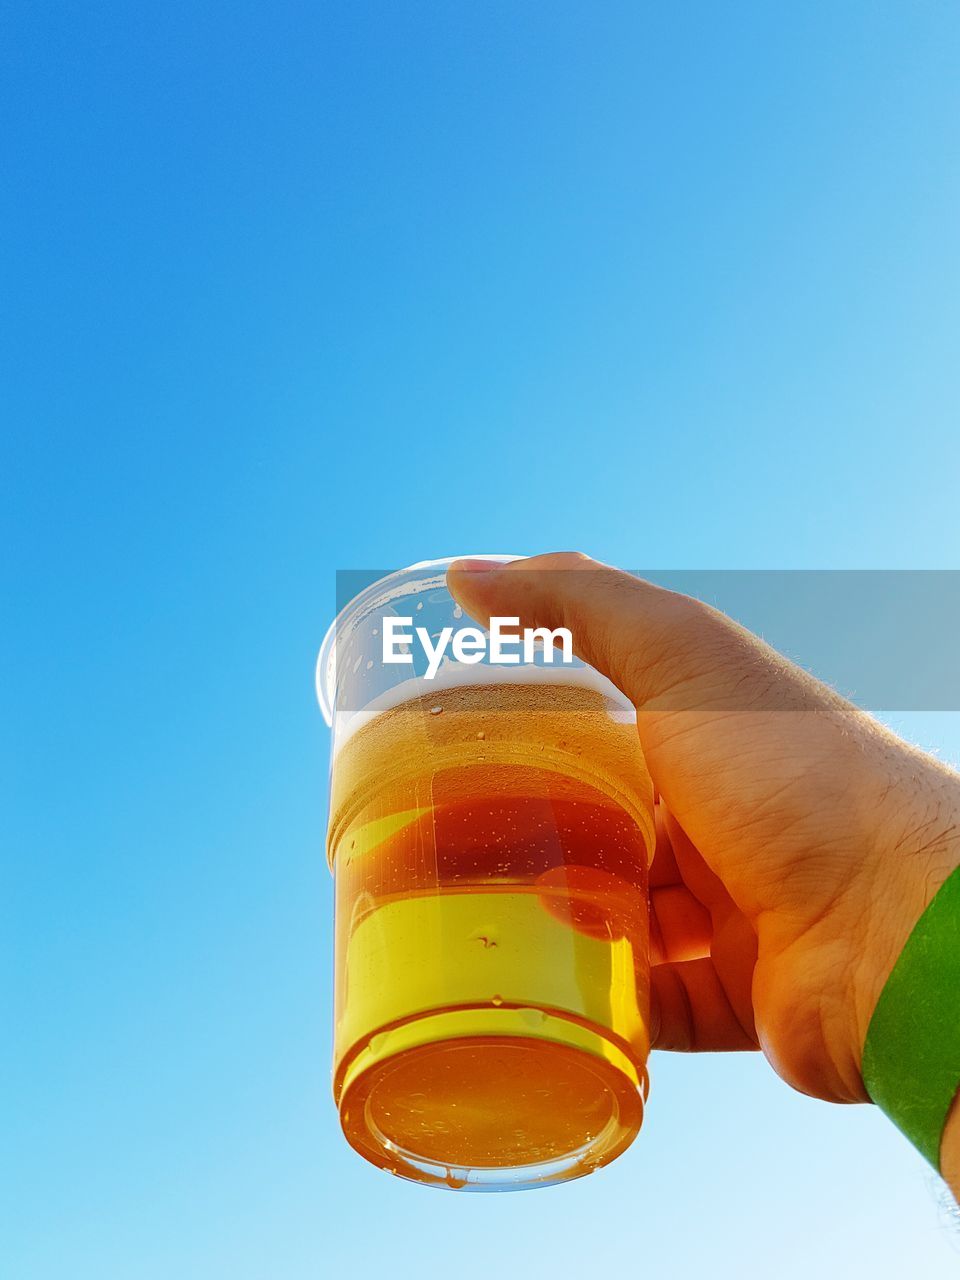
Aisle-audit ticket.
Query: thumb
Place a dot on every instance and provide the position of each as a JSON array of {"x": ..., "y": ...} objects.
[{"x": 663, "y": 650}]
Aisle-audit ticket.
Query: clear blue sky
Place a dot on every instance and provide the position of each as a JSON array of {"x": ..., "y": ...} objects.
[{"x": 290, "y": 287}]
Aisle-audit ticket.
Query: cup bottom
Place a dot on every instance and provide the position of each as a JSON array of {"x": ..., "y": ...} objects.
[{"x": 480, "y": 1110}]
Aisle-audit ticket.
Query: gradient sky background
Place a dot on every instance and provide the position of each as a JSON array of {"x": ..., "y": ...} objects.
[{"x": 301, "y": 286}]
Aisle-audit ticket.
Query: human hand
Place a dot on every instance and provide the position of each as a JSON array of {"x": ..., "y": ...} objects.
[{"x": 798, "y": 839}]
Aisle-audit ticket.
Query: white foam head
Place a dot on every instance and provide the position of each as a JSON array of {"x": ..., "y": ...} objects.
[{"x": 453, "y": 675}]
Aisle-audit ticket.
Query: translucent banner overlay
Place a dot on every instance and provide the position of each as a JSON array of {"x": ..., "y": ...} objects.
[{"x": 888, "y": 640}]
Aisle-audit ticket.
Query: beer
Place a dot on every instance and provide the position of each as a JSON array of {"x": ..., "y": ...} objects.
[{"x": 490, "y": 843}]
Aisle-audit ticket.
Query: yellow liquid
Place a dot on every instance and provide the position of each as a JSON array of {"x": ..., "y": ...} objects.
[{"x": 492, "y": 936}]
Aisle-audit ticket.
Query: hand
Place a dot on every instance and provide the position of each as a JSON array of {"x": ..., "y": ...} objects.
[{"x": 798, "y": 840}]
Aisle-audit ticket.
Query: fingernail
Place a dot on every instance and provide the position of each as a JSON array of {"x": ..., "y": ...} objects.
[{"x": 475, "y": 566}]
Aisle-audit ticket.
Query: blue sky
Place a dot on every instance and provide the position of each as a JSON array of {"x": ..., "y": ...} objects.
[{"x": 301, "y": 287}]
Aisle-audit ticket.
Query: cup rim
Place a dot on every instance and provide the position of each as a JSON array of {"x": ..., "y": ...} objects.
[{"x": 325, "y": 672}]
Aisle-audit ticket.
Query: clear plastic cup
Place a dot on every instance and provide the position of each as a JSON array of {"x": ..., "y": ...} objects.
[{"x": 490, "y": 835}]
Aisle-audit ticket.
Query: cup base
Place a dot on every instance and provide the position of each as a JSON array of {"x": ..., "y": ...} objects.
[{"x": 449, "y": 1102}]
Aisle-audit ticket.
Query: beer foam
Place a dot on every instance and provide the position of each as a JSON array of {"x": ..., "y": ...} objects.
[{"x": 460, "y": 675}]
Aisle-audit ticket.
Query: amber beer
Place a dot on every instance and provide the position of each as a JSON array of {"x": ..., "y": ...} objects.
[{"x": 490, "y": 843}]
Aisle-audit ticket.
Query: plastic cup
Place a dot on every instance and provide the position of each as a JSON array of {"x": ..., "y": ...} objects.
[{"x": 490, "y": 834}]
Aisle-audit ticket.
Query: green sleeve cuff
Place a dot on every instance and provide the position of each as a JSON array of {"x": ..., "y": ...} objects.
[{"x": 911, "y": 1057}]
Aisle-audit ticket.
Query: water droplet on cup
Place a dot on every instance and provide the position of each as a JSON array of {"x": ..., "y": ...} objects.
[{"x": 435, "y": 711}]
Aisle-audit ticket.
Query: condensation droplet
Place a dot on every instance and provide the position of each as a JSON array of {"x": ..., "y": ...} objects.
[
  {"x": 370, "y": 665},
  {"x": 419, "y": 605},
  {"x": 481, "y": 735},
  {"x": 435, "y": 711},
  {"x": 497, "y": 1000},
  {"x": 457, "y": 611}
]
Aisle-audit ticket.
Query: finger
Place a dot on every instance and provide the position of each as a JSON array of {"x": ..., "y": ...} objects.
[
  {"x": 684, "y": 927},
  {"x": 692, "y": 870},
  {"x": 733, "y": 950},
  {"x": 663, "y": 868},
  {"x": 662, "y": 649},
  {"x": 690, "y": 1012},
  {"x": 733, "y": 939}
]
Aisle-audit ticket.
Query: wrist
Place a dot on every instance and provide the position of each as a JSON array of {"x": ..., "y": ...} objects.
[{"x": 917, "y": 847}]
